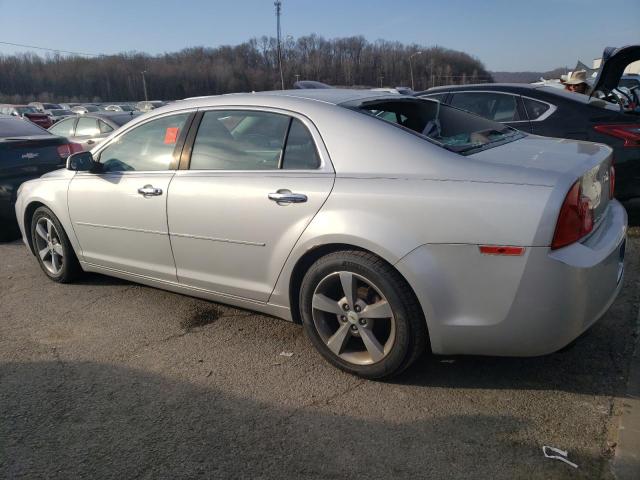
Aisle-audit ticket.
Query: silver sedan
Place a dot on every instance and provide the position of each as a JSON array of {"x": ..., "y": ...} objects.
[{"x": 386, "y": 225}]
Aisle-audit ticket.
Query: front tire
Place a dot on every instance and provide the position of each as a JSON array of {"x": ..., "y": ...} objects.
[
  {"x": 361, "y": 315},
  {"x": 52, "y": 247}
]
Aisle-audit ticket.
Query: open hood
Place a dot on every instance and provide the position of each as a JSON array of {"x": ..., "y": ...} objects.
[{"x": 614, "y": 61}]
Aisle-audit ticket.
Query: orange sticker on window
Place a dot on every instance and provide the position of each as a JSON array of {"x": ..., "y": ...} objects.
[{"x": 171, "y": 135}]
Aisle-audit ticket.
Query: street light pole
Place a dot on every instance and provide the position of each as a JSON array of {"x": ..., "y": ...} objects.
[
  {"x": 144, "y": 85},
  {"x": 413, "y": 87}
]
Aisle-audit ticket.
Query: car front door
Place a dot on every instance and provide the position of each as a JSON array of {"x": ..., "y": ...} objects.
[
  {"x": 251, "y": 184},
  {"x": 500, "y": 107},
  {"x": 120, "y": 214}
]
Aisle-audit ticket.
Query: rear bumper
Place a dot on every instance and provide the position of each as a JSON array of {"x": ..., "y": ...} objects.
[{"x": 517, "y": 306}]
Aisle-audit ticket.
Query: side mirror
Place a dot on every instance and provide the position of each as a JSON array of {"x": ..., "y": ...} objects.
[{"x": 82, "y": 162}]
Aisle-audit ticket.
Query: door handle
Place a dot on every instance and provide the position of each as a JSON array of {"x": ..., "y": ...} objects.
[
  {"x": 150, "y": 191},
  {"x": 287, "y": 196}
]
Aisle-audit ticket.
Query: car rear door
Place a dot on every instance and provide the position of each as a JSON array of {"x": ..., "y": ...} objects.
[
  {"x": 120, "y": 214},
  {"x": 247, "y": 188},
  {"x": 88, "y": 132},
  {"x": 500, "y": 107}
]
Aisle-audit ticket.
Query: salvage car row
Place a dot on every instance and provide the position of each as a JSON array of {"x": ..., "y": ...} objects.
[{"x": 385, "y": 224}]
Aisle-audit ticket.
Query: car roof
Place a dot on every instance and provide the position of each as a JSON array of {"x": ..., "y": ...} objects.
[{"x": 333, "y": 96}]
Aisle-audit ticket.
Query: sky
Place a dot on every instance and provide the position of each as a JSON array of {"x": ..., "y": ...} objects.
[{"x": 517, "y": 35}]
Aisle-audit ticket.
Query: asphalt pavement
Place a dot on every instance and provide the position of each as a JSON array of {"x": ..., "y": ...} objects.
[{"x": 109, "y": 379}]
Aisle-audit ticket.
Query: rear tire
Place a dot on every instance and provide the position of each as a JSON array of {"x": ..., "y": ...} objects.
[
  {"x": 362, "y": 315},
  {"x": 52, "y": 247}
]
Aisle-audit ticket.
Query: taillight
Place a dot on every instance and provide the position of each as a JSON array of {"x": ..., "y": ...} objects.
[
  {"x": 629, "y": 133},
  {"x": 65, "y": 150},
  {"x": 575, "y": 219},
  {"x": 612, "y": 181}
]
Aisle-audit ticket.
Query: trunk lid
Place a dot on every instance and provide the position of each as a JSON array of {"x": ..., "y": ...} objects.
[
  {"x": 614, "y": 61},
  {"x": 33, "y": 155},
  {"x": 563, "y": 162}
]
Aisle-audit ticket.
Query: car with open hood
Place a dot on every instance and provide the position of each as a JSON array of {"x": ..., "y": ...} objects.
[{"x": 385, "y": 224}]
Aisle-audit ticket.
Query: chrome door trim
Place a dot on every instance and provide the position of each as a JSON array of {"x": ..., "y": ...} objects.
[
  {"x": 115, "y": 227},
  {"x": 541, "y": 118},
  {"x": 214, "y": 239}
]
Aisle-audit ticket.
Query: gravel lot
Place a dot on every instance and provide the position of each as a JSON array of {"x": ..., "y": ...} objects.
[{"x": 108, "y": 379}]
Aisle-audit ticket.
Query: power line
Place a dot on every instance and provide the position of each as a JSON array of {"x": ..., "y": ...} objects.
[{"x": 52, "y": 49}]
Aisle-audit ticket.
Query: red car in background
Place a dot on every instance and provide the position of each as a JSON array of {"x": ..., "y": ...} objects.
[{"x": 28, "y": 113}]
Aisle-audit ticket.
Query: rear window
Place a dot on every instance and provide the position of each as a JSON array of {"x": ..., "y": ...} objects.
[
  {"x": 13, "y": 127},
  {"x": 442, "y": 124}
]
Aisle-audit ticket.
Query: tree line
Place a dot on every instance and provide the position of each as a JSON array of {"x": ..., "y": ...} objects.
[{"x": 249, "y": 66}]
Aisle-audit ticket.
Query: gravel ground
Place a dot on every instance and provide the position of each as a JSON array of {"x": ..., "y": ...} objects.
[{"x": 109, "y": 379}]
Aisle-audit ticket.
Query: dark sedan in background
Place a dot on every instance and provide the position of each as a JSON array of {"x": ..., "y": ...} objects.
[
  {"x": 90, "y": 129},
  {"x": 28, "y": 113},
  {"x": 553, "y": 112},
  {"x": 27, "y": 151}
]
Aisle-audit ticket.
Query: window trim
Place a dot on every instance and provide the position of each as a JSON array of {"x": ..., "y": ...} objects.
[
  {"x": 541, "y": 118},
  {"x": 325, "y": 162}
]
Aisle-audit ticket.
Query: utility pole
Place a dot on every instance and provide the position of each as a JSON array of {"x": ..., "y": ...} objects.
[
  {"x": 144, "y": 85},
  {"x": 411, "y": 67},
  {"x": 278, "y": 5}
]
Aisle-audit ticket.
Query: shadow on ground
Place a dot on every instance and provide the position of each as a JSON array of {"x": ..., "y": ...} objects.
[{"x": 88, "y": 420}]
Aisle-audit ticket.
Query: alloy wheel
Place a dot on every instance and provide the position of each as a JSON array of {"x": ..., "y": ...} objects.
[
  {"x": 49, "y": 246},
  {"x": 353, "y": 318}
]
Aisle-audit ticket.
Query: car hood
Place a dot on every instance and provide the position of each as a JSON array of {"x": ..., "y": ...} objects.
[
  {"x": 555, "y": 158},
  {"x": 614, "y": 61}
]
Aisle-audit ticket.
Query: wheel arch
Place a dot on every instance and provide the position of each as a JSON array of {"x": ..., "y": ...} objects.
[
  {"x": 28, "y": 216},
  {"x": 310, "y": 256}
]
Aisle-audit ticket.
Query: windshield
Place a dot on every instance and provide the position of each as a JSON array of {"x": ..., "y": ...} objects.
[
  {"x": 449, "y": 127},
  {"x": 23, "y": 110},
  {"x": 61, "y": 112}
]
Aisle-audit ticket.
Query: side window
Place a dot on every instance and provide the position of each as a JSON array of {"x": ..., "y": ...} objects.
[
  {"x": 534, "y": 108},
  {"x": 63, "y": 128},
  {"x": 239, "y": 140},
  {"x": 300, "y": 152},
  {"x": 499, "y": 107},
  {"x": 436, "y": 96},
  {"x": 148, "y": 147},
  {"x": 86, "y": 127},
  {"x": 104, "y": 128}
]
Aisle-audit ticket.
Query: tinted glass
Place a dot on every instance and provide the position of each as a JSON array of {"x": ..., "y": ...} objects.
[
  {"x": 22, "y": 110},
  {"x": 534, "y": 108},
  {"x": 239, "y": 140},
  {"x": 104, "y": 128},
  {"x": 64, "y": 128},
  {"x": 16, "y": 127},
  {"x": 436, "y": 96},
  {"x": 449, "y": 127},
  {"x": 300, "y": 151},
  {"x": 148, "y": 147},
  {"x": 87, "y": 127},
  {"x": 494, "y": 106}
]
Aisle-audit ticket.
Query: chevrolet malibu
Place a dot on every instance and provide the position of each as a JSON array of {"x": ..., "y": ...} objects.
[{"x": 385, "y": 224}]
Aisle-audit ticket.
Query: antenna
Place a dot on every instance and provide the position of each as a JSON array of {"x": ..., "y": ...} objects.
[{"x": 278, "y": 5}]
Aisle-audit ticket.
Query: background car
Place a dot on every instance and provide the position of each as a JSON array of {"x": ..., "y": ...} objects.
[
  {"x": 58, "y": 114},
  {"x": 121, "y": 107},
  {"x": 86, "y": 108},
  {"x": 68, "y": 106},
  {"x": 28, "y": 113},
  {"x": 90, "y": 129},
  {"x": 148, "y": 105},
  {"x": 551, "y": 112},
  {"x": 41, "y": 107},
  {"x": 383, "y": 223},
  {"x": 27, "y": 151}
]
